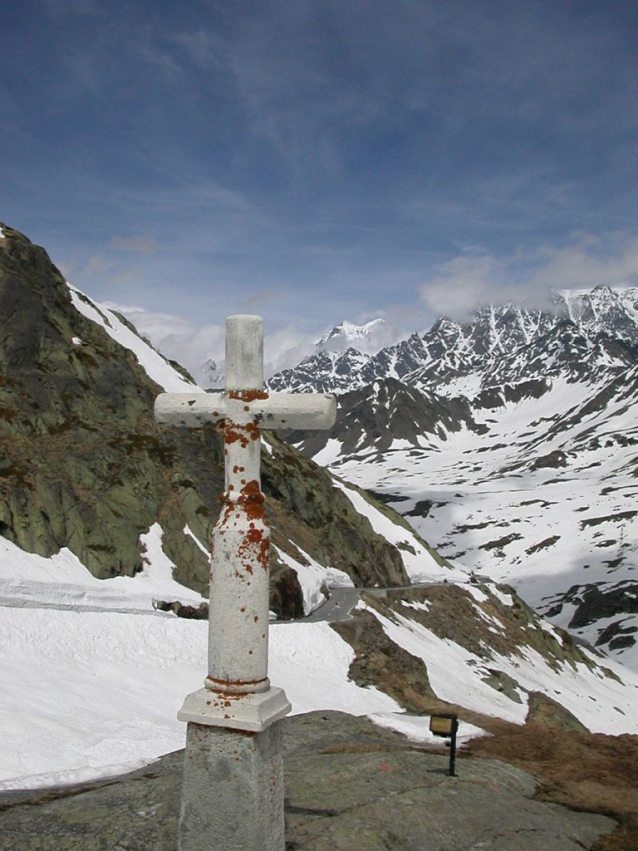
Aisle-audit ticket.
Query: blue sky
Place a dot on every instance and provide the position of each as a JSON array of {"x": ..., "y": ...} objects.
[{"x": 320, "y": 160}]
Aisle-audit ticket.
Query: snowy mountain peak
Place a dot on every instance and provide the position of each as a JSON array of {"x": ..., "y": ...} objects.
[
  {"x": 587, "y": 334},
  {"x": 602, "y": 310},
  {"x": 368, "y": 338}
]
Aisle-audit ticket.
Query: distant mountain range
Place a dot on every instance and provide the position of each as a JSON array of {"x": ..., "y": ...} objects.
[
  {"x": 511, "y": 443},
  {"x": 503, "y": 343}
]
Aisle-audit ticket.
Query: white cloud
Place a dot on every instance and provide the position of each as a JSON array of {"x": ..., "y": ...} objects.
[
  {"x": 178, "y": 338},
  {"x": 590, "y": 261},
  {"x": 285, "y": 348},
  {"x": 473, "y": 279},
  {"x": 464, "y": 283},
  {"x": 192, "y": 346}
]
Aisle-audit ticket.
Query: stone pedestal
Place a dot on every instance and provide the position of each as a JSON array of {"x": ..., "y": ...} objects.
[{"x": 233, "y": 792}]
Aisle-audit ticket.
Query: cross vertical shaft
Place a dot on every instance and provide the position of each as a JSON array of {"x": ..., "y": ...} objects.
[{"x": 238, "y": 619}]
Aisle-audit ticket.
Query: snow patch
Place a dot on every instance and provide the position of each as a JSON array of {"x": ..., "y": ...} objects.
[
  {"x": 329, "y": 454},
  {"x": 312, "y": 577},
  {"x": 62, "y": 581},
  {"x": 156, "y": 367},
  {"x": 188, "y": 532},
  {"x": 417, "y": 729},
  {"x": 419, "y": 563}
]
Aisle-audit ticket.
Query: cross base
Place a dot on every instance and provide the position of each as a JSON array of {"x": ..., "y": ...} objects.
[
  {"x": 249, "y": 712},
  {"x": 233, "y": 794}
]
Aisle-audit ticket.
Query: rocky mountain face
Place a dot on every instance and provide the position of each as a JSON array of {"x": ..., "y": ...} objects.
[
  {"x": 586, "y": 333},
  {"x": 510, "y": 443},
  {"x": 387, "y": 414},
  {"x": 83, "y": 464}
]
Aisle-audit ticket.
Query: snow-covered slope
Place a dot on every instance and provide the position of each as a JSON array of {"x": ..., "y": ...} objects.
[
  {"x": 523, "y": 657},
  {"x": 537, "y": 491},
  {"x": 165, "y": 373},
  {"x": 93, "y": 676}
]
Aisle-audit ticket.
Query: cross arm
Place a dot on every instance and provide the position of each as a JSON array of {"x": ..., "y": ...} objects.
[
  {"x": 296, "y": 410},
  {"x": 190, "y": 410},
  {"x": 277, "y": 410}
]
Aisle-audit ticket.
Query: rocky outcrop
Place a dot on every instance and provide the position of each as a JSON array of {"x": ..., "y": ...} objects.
[
  {"x": 349, "y": 784},
  {"x": 83, "y": 464}
]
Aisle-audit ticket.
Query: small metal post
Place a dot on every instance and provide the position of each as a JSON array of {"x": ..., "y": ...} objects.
[
  {"x": 446, "y": 724},
  {"x": 455, "y": 727}
]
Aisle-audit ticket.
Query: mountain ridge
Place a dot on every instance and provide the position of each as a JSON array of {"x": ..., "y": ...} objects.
[{"x": 449, "y": 351}]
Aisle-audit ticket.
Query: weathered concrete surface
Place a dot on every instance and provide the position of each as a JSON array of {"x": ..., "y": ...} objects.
[
  {"x": 349, "y": 787},
  {"x": 234, "y": 791}
]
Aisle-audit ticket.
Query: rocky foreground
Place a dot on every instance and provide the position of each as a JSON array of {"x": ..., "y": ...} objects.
[{"x": 349, "y": 785}]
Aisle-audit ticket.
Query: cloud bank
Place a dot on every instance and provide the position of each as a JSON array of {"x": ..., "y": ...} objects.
[{"x": 474, "y": 279}]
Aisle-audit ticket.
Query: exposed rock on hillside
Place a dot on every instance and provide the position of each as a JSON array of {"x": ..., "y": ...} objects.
[
  {"x": 386, "y": 414},
  {"x": 83, "y": 464},
  {"x": 468, "y": 647}
]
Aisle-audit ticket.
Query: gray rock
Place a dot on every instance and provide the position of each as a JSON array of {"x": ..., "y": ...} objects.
[{"x": 349, "y": 785}]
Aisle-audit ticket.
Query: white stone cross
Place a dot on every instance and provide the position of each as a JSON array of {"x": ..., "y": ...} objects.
[
  {"x": 233, "y": 790},
  {"x": 239, "y": 593}
]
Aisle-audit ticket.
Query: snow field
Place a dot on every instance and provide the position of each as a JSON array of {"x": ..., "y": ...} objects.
[
  {"x": 62, "y": 581},
  {"x": 89, "y": 694},
  {"x": 603, "y": 703},
  {"x": 420, "y": 564},
  {"x": 93, "y": 676},
  {"x": 550, "y": 521}
]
